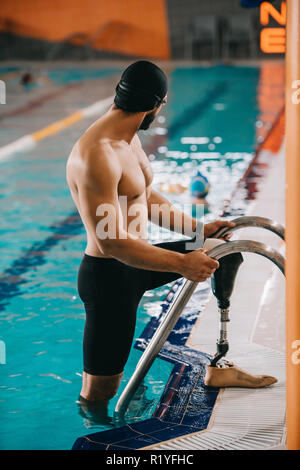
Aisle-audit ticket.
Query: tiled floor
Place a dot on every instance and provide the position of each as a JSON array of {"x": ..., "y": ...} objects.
[{"x": 185, "y": 408}]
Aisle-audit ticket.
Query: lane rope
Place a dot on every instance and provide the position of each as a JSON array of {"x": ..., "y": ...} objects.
[{"x": 29, "y": 141}]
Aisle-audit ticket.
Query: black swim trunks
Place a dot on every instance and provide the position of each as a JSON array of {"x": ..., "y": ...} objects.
[{"x": 111, "y": 292}]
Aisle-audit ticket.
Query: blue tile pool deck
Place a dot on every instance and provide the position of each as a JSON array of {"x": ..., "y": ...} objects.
[{"x": 190, "y": 411}]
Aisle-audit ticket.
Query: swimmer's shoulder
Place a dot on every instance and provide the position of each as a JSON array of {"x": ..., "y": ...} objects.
[
  {"x": 136, "y": 141},
  {"x": 99, "y": 160},
  {"x": 89, "y": 150}
]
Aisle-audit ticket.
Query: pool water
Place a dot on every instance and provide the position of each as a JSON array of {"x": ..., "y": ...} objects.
[{"x": 42, "y": 242}]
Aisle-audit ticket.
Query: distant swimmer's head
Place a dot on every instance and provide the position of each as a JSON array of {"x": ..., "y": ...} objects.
[{"x": 143, "y": 87}]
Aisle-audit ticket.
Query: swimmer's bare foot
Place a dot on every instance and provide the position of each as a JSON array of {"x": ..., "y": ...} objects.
[
  {"x": 232, "y": 376},
  {"x": 94, "y": 411}
]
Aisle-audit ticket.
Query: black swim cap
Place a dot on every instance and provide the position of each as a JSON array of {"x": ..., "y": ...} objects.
[{"x": 142, "y": 87}]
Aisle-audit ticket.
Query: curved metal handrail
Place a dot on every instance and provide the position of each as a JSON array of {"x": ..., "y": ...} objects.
[
  {"x": 181, "y": 299},
  {"x": 253, "y": 221}
]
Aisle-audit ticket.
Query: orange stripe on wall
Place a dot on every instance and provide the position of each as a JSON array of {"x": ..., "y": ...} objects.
[
  {"x": 270, "y": 97},
  {"x": 134, "y": 27},
  {"x": 274, "y": 141}
]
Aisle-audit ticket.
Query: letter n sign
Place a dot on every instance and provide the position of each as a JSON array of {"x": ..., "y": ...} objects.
[{"x": 272, "y": 39}]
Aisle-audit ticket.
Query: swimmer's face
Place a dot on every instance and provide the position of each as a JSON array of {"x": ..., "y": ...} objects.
[{"x": 149, "y": 118}]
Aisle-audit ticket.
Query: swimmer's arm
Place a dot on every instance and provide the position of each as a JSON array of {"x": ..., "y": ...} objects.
[
  {"x": 179, "y": 218},
  {"x": 179, "y": 221},
  {"x": 98, "y": 185}
]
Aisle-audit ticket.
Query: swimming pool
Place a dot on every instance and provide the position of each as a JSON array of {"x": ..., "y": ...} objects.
[{"x": 42, "y": 239}]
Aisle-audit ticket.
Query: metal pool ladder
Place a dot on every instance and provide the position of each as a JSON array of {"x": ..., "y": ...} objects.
[{"x": 187, "y": 290}]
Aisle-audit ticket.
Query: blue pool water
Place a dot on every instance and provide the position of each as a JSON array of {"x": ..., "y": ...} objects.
[{"x": 42, "y": 242}]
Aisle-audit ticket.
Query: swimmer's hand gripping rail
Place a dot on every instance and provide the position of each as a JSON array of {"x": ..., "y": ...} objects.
[
  {"x": 185, "y": 293},
  {"x": 252, "y": 221}
]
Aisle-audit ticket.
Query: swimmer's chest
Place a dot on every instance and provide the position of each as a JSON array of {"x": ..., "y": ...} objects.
[{"x": 137, "y": 175}]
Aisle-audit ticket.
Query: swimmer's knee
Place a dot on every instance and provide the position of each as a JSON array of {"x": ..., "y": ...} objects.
[
  {"x": 100, "y": 387},
  {"x": 110, "y": 390},
  {"x": 98, "y": 394}
]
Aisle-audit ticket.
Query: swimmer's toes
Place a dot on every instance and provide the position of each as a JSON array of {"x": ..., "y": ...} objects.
[{"x": 268, "y": 380}]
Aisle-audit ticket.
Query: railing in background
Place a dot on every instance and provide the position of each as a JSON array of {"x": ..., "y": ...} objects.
[{"x": 70, "y": 39}]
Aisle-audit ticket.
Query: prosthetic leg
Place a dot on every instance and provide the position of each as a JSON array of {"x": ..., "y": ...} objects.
[
  {"x": 222, "y": 283},
  {"x": 227, "y": 374}
]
